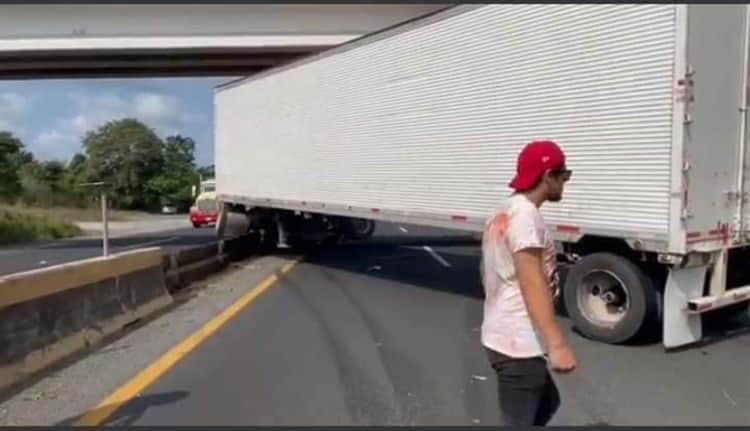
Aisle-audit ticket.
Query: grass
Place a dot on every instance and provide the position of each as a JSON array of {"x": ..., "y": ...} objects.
[
  {"x": 20, "y": 224},
  {"x": 17, "y": 226},
  {"x": 73, "y": 214}
]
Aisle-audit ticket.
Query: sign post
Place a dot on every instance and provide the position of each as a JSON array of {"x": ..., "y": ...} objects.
[
  {"x": 102, "y": 187},
  {"x": 105, "y": 224}
]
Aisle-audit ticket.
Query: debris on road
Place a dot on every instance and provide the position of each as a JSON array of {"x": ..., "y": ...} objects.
[
  {"x": 403, "y": 229},
  {"x": 36, "y": 396},
  {"x": 478, "y": 377},
  {"x": 729, "y": 398},
  {"x": 375, "y": 268}
]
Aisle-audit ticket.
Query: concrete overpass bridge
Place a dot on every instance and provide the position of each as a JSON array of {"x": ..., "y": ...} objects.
[{"x": 40, "y": 41}]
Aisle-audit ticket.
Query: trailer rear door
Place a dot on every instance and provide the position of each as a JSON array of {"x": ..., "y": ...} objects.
[{"x": 715, "y": 170}]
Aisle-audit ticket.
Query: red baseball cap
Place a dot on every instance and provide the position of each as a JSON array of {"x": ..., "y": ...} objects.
[{"x": 534, "y": 160}]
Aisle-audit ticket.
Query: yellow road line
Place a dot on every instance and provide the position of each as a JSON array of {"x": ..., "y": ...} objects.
[{"x": 147, "y": 377}]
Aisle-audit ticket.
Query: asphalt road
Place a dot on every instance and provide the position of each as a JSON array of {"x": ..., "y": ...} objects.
[
  {"x": 28, "y": 257},
  {"x": 387, "y": 334}
]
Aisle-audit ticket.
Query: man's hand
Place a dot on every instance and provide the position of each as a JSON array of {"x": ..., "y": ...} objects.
[{"x": 561, "y": 359}]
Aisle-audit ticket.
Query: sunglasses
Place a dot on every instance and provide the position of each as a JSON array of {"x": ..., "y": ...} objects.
[{"x": 562, "y": 173}]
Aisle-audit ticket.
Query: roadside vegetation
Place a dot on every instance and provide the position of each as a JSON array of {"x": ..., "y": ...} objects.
[
  {"x": 43, "y": 199},
  {"x": 18, "y": 226}
]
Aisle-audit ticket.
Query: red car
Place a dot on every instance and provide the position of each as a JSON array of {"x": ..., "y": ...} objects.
[{"x": 203, "y": 214}]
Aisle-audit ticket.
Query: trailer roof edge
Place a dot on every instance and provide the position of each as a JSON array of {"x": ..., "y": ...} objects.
[{"x": 384, "y": 33}]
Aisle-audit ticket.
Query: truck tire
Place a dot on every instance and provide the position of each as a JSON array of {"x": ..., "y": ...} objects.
[
  {"x": 360, "y": 228},
  {"x": 609, "y": 298}
]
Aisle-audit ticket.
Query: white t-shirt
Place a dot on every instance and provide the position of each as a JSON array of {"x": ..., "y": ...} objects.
[{"x": 507, "y": 327}]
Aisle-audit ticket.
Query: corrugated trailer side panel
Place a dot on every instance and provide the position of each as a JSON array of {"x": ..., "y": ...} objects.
[{"x": 430, "y": 120}]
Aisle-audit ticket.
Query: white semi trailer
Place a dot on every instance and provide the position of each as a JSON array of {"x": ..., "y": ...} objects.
[{"x": 422, "y": 123}]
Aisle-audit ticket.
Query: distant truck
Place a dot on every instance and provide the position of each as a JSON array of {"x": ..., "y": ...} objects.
[
  {"x": 205, "y": 209},
  {"x": 422, "y": 123}
]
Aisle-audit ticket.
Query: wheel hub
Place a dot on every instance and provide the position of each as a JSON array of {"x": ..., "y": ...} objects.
[
  {"x": 610, "y": 297},
  {"x": 603, "y": 298}
]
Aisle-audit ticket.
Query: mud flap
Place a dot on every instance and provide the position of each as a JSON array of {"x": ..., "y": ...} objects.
[{"x": 683, "y": 284}]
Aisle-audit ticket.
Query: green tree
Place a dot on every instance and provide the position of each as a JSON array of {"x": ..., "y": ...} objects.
[
  {"x": 127, "y": 154},
  {"x": 75, "y": 175},
  {"x": 173, "y": 185},
  {"x": 52, "y": 172},
  {"x": 43, "y": 184},
  {"x": 78, "y": 161},
  {"x": 11, "y": 154},
  {"x": 207, "y": 171}
]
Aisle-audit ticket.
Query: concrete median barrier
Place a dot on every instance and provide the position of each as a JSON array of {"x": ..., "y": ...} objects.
[
  {"x": 189, "y": 265},
  {"x": 49, "y": 314}
]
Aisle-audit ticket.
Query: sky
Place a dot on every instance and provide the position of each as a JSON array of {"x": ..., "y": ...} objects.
[{"x": 52, "y": 116}]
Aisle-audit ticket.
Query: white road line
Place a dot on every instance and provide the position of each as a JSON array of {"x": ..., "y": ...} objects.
[
  {"x": 146, "y": 244},
  {"x": 436, "y": 256}
]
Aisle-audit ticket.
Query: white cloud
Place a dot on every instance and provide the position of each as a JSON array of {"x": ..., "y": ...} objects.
[
  {"x": 108, "y": 101},
  {"x": 13, "y": 110},
  {"x": 55, "y": 144},
  {"x": 13, "y": 104},
  {"x": 50, "y": 136},
  {"x": 162, "y": 112},
  {"x": 80, "y": 124},
  {"x": 152, "y": 107}
]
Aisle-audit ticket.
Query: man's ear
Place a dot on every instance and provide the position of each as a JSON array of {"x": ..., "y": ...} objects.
[{"x": 547, "y": 175}]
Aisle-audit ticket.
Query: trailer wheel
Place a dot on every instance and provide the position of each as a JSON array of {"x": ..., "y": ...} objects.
[
  {"x": 360, "y": 228},
  {"x": 610, "y": 299}
]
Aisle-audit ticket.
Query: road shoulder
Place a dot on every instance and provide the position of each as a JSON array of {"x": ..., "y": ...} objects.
[{"x": 67, "y": 393}]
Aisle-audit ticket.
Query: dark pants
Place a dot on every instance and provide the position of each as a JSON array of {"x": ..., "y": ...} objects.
[{"x": 526, "y": 391}]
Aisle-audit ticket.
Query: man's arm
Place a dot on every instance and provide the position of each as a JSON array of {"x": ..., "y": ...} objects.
[
  {"x": 539, "y": 303},
  {"x": 536, "y": 294}
]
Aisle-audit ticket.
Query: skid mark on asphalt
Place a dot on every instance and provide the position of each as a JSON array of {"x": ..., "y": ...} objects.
[
  {"x": 369, "y": 399},
  {"x": 390, "y": 359},
  {"x": 426, "y": 395}
]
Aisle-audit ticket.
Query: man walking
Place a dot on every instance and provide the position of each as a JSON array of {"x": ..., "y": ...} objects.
[{"x": 519, "y": 273}]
